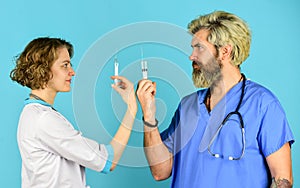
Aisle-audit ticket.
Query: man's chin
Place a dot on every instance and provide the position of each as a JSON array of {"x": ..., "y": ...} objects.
[
  {"x": 200, "y": 85},
  {"x": 200, "y": 82}
]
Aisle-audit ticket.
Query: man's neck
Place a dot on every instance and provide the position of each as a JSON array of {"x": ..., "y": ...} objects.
[{"x": 219, "y": 89}]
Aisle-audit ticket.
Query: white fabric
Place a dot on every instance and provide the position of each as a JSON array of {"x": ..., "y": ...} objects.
[{"x": 53, "y": 153}]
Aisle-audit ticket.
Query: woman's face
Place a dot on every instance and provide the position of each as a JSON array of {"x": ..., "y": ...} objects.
[{"x": 62, "y": 72}]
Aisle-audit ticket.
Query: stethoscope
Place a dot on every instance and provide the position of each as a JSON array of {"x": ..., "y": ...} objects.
[{"x": 225, "y": 120}]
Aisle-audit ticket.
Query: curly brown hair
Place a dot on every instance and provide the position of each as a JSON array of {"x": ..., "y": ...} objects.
[{"x": 33, "y": 64}]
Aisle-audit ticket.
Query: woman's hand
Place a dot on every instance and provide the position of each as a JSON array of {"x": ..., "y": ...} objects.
[{"x": 126, "y": 89}]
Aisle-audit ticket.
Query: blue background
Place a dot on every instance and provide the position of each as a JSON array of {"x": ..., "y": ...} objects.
[{"x": 273, "y": 61}]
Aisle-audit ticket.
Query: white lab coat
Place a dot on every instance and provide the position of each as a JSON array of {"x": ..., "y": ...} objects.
[{"x": 53, "y": 153}]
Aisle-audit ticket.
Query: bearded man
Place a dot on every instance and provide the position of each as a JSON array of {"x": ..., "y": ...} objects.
[{"x": 231, "y": 133}]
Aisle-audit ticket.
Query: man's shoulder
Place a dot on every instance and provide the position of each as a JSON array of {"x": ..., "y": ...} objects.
[
  {"x": 258, "y": 89},
  {"x": 258, "y": 92}
]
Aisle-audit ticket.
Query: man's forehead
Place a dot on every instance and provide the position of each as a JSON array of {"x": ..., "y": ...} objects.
[
  {"x": 200, "y": 37},
  {"x": 197, "y": 40}
]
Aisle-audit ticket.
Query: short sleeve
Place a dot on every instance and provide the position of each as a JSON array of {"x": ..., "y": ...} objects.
[
  {"x": 274, "y": 129},
  {"x": 168, "y": 135}
]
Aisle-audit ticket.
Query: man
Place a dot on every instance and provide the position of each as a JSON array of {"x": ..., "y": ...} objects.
[{"x": 234, "y": 133}]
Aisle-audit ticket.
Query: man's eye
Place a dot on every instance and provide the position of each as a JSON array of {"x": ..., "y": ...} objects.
[{"x": 199, "y": 46}]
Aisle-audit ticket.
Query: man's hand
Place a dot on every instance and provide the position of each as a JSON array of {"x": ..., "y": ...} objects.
[{"x": 146, "y": 95}]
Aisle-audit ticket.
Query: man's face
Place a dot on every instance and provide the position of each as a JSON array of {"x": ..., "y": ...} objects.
[{"x": 206, "y": 66}]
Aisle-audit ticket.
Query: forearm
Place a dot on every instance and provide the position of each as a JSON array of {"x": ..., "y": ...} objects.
[
  {"x": 158, "y": 156},
  {"x": 281, "y": 183},
  {"x": 122, "y": 136}
]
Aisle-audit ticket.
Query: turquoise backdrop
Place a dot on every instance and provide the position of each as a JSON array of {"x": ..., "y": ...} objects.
[{"x": 275, "y": 28}]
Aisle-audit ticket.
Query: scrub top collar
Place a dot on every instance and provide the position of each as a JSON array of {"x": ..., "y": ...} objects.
[{"x": 229, "y": 94}]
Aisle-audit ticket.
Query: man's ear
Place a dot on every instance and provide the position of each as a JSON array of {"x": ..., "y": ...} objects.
[{"x": 225, "y": 52}]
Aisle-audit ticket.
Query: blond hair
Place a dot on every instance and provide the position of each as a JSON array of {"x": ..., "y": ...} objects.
[{"x": 225, "y": 28}]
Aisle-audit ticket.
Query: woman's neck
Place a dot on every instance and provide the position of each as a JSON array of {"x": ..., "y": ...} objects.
[{"x": 44, "y": 95}]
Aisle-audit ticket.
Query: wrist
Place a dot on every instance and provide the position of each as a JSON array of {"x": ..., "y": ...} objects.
[
  {"x": 150, "y": 119},
  {"x": 149, "y": 115},
  {"x": 132, "y": 107},
  {"x": 151, "y": 124}
]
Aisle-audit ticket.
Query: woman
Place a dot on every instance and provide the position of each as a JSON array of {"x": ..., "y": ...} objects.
[{"x": 53, "y": 153}]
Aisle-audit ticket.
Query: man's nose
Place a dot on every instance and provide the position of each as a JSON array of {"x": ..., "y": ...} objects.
[{"x": 193, "y": 56}]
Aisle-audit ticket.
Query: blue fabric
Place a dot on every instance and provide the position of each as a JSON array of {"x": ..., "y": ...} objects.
[
  {"x": 266, "y": 131},
  {"x": 28, "y": 101},
  {"x": 110, "y": 158}
]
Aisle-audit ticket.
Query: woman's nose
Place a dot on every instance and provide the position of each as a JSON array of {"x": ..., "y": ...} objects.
[{"x": 72, "y": 72}]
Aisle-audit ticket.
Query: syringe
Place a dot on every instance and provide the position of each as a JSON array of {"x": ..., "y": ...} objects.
[
  {"x": 116, "y": 69},
  {"x": 144, "y": 69},
  {"x": 144, "y": 66}
]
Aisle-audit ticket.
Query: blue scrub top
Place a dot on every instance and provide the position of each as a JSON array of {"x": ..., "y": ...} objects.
[{"x": 191, "y": 129}]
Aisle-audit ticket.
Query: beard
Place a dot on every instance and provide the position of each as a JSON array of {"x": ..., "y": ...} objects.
[{"x": 208, "y": 75}]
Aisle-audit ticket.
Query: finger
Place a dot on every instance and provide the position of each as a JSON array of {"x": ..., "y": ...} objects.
[
  {"x": 119, "y": 78},
  {"x": 146, "y": 84},
  {"x": 154, "y": 91},
  {"x": 124, "y": 79},
  {"x": 123, "y": 82},
  {"x": 122, "y": 85},
  {"x": 142, "y": 84},
  {"x": 144, "y": 91},
  {"x": 150, "y": 89},
  {"x": 145, "y": 88},
  {"x": 115, "y": 77},
  {"x": 117, "y": 88}
]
